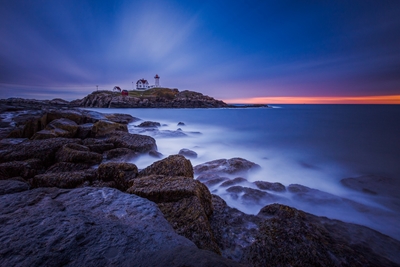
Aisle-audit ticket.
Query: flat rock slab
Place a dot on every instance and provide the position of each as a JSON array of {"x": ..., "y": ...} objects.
[{"x": 91, "y": 227}]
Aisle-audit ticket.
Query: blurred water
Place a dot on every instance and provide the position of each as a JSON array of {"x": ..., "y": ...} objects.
[{"x": 311, "y": 145}]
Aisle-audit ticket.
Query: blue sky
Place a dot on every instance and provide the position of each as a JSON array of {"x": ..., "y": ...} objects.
[{"x": 225, "y": 49}]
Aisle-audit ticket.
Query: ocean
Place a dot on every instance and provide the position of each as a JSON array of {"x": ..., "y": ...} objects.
[{"x": 315, "y": 146}]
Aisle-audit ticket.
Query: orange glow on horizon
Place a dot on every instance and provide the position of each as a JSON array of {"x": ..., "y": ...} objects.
[{"x": 386, "y": 99}]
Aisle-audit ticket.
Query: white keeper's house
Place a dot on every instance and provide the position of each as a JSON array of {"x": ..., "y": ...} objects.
[{"x": 143, "y": 84}]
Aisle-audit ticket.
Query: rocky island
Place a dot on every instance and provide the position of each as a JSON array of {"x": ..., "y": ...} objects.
[
  {"x": 68, "y": 197},
  {"x": 151, "y": 98}
]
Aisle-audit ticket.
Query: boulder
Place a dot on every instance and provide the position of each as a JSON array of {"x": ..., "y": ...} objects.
[
  {"x": 68, "y": 167},
  {"x": 101, "y": 147},
  {"x": 64, "y": 179},
  {"x": 188, "y": 153},
  {"x": 175, "y": 165},
  {"x": 64, "y": 124},
  {"x": 105, "y": 127},
  {"x": 251, "y": 195},
  {"x": 121, "y": 118},
  {"x": 234, "y": 181},
  {"x": 136, "y": 142},
  {"x": 92, "y": 227},
  {"x": 120, "y": 174},
  {"x": 12, "y": 186},
  {"x": 122, "y": 154},
  {"x": 277, "y": 187},
  {"x": 215, "y": 181},
  {"x": 25, "y": 169},
  {"x": 181, "y": 124},
  {"x": 46, "y": 134},
  {"x": 71, "y": 114},
  {"x": 149, "y": 124},
  {"x": 228, "y": 166},
  {"x": 185, "y": 202},
  {"x": 44, "y": 150},
  {"x": 84, "y": 130},
  {"x": 78, "y": 154}
]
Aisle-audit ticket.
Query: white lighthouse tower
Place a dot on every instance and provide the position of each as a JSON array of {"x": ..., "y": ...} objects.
[{"x": 156, "y": 81}]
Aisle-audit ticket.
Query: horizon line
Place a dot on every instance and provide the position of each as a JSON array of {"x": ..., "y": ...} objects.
[{"x": 380, "y": 99}]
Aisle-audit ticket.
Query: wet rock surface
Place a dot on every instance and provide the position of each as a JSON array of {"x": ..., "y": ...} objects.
[
  {"x": 149, "y": 124},
  {"x": 283, "y": 236},
  {"x": 91, "y": 227}
]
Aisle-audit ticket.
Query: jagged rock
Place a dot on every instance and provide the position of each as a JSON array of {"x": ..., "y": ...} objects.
[
  {"x": 68, "y": 167},
  {"x": 149, "y": 124},
  {"x": 27, "y": 124},
  {"x": 120, "y": 174},
  {"x": 78, "y": 154},
  {"x": 229, "y": 166},
  {"x": 121, "y": 118},
  {"x": 181, "y": 124},
  {"x": 136, "y": 142},
  {"x": 25, "y": 169},
  {"x": 12, "y": 186},
  {"x": 278, "y": 187},
  {"x": 234, "y": 181},
  {"x": 64, "y": 179},
  {"x": 185, "y": 202},
  {"x": 70, "y": 114},
  {"x": 188, "y": 153},
  {"x": 44, "y": 150},
  {"x": 175, "y": 165},
  {"x": 92, "y": 227},
  {"x": 155, "y": 154},
  {"x": 120, "y": 153},
  {"x": 104, "y": 127}
]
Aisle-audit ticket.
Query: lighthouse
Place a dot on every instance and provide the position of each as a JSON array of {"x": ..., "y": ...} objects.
[{"x": 156, "y": 81}]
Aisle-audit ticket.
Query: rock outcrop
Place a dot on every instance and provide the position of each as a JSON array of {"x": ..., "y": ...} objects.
[
  {"x": 163, "y": 98},
  {"x": 92, "y": 227}
]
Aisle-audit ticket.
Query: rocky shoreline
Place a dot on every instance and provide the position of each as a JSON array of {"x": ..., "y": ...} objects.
[
  {"x": 162, "y": 98},
  {"x": 69, "y": 197}
]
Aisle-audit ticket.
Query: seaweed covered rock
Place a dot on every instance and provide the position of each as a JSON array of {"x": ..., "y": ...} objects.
[
  {"x": 120, "y": 175},
  {"x": 120, "y": 154},
  {"x": 44, "y": 150},
  {"x": 175, "y": 165},
  {"x": 105, "y": 127},
  {"x": 185, "y": 202},
  {"x": 136, "y": 142},
  {"x": 278, "y": 187},
  {"x": 78, "y": 154},
  {"x": 149, "y": 124},
  {"x": 25, "y": 169},
  {"x": 64, "y": 179}
]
